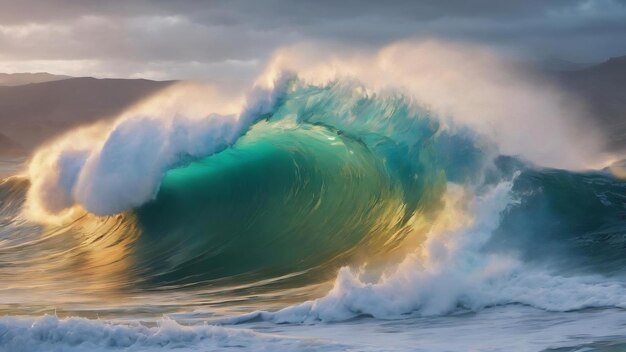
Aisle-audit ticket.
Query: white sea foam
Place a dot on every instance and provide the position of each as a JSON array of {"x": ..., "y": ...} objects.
[
  {"x": 471, "y": 85},
  {"x": 109, "y": 168},
  {"x": 498, "y": 329},
  {"x": 49, "y": 333},
  {"x": 450, "y": 273}
]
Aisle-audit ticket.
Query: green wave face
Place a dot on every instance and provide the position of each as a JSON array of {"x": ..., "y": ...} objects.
[
  {"x": 331, "y": 176},
  {"x": 281, "y": 200},
  {"x": 302, "y": 190}
]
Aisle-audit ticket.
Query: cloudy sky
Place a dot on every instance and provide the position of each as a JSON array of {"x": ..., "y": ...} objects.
[{"x": 218, "y": 40}]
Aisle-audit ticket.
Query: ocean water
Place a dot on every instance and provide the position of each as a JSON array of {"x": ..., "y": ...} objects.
[{"x": 319, "y": 217}]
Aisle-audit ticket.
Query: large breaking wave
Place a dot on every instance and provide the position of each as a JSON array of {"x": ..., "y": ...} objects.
[{"x": 425, "y": 177}]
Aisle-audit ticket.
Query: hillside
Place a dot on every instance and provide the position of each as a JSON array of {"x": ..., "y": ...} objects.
[
  {"x": 603, "y": 89},
  {"x": 9, "y": 148},
  {"x": 18, "y": 79},
  {"x": 33, "y": 113}
]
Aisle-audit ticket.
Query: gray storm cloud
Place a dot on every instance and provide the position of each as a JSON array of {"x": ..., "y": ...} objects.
[{"x": 231, "y": 40}]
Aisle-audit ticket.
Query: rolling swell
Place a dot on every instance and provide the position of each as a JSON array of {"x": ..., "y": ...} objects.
[{"x": 572, "y": 221}]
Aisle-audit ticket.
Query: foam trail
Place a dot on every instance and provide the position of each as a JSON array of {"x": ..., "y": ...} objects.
[{"x": 49, "y": 333}]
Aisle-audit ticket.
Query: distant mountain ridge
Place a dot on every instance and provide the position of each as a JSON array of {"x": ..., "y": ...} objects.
[
  {"x": 556, "y": 64},
  {"x": 602, "y": 88},
  {"x": 9, "y": 148},
  {"x": 33, "y": 113},
  {"x": 18, "y": 79}
]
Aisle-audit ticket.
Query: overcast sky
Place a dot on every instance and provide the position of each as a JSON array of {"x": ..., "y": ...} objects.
[{"x": 180, "y": 39}]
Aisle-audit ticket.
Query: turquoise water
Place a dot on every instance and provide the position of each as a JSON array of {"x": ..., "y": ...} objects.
[{"x": 332, "y": 177}]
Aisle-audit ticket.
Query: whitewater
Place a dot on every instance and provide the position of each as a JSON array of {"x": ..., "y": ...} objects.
[{"x": 427, "y": 196}]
